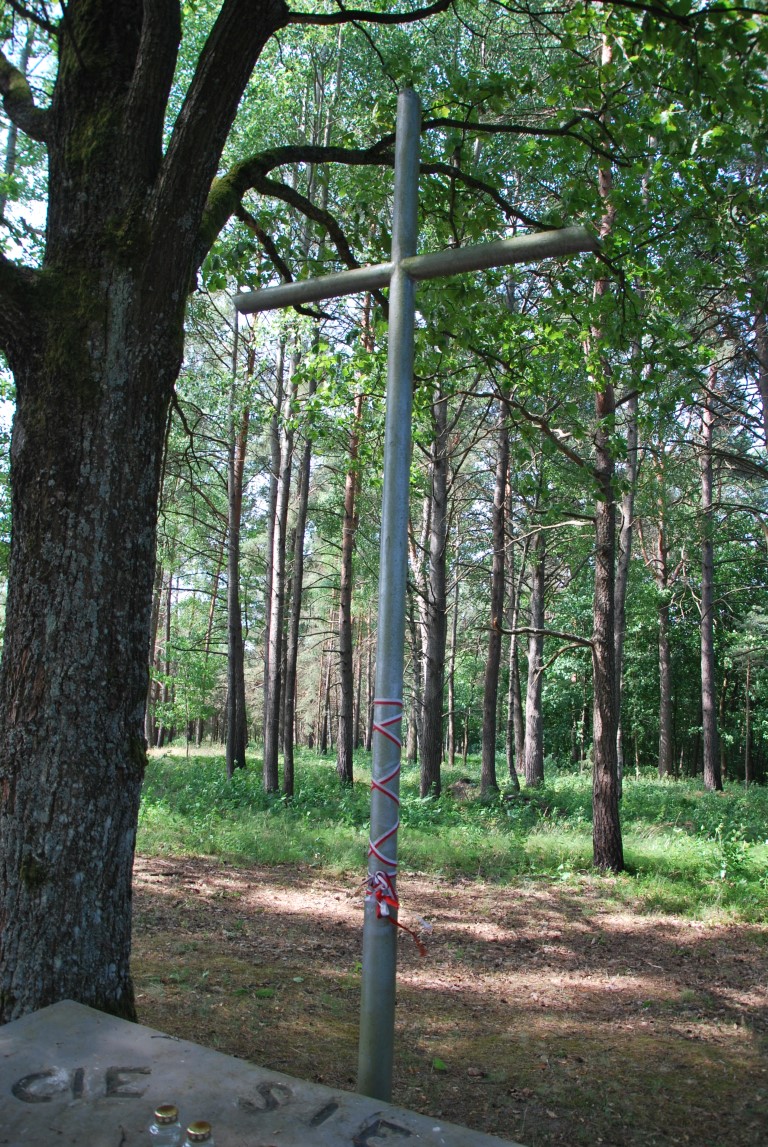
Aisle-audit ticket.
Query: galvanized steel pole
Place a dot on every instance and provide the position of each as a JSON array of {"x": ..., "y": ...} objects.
[{"x": 377, "y": 1007}]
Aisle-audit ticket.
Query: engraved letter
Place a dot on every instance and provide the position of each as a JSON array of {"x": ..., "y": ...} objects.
[
  {"x": 42, "y": 1086},
  {"x": 119, "y": 1087}
]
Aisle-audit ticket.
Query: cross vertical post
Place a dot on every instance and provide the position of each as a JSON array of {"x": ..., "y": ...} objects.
[
  {"x": 402, "y": 273},
  {"x": 377, "y": 1005}
]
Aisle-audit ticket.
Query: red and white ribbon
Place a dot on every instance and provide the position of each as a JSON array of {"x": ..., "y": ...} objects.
[{"x": 385, "y": 728}]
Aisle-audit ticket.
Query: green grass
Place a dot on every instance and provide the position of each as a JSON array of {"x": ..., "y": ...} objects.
[{"x": 686, "y": 850}]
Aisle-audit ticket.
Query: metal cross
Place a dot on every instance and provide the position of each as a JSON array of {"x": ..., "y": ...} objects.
[{"x": 376, "y": 1041}]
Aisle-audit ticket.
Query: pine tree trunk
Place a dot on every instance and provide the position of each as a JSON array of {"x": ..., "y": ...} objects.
[
  {"x": 627, "y": 516},
  {"x": 666, "y": 745},
  {"x": 488, "y": 781},
  {"x": 237, "y": 724},
  {"x": 606, "y": 832},
  {"x": 451, "y": 751},
  {"x": 274, "y": 480},
  {"x": 345, "y": 744},
  {"x": 435, "y": 611},
  {"x": 150, "y": 726},
  {"x": 533, "y": 751},
  {"x": 607, "y": 848},
  {"x": 712, "y": 772},
  {"x": 515, "y": 731},
  {"x": 292, "y": 651},
  {"x": 277, "y": 602}
]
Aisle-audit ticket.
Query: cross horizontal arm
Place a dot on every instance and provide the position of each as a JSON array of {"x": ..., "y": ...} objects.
[{"x": 452, "y": 261}]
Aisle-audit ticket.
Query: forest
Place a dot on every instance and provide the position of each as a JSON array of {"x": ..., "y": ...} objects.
[
  {"x": 632, "y": 388},
  {"x": 190, "y": 500}
]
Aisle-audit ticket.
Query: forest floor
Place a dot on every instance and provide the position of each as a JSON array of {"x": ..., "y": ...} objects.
[{"x": 543, "y": 1012}]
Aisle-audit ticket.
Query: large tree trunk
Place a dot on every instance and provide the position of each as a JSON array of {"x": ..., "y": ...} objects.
[
  {"x": 74, "y": 680},
  {"x": 488, "y": 781},
  {"x": 435, "y": 611},
  {"x": 712, "y": 774},
  {"x": 95, "y": 346}
]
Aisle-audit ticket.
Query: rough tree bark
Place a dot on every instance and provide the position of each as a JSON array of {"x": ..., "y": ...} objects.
[{"x": 94, "y": 340}]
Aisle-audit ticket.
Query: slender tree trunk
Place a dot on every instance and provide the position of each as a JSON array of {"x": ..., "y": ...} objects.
[
  {"x": 150, "y": 725},
  {"x": 712, "y": 774},
  {"x": 451, "y": 752},
  {"x": 515, "y": 733},
  {"x": 488, "y": 781},
  {"x": 237, "y": 721},
  {"x": 747, "y": 726},
  {"x": 436, "y": 608},
  {"x": 533, "y": 752},
  {"x": 627, "y": 515},
  {"x": 369, "y": 685},
  {"x": 606, "y": 838},
  {"x": 292, "y": 651},
  {"x": 666, "y": 742},
  {"x": 325, "y": 697},
  {"x": 277, "y": 604},
  {"x": 607, "y": 849},
  {"x": 274, "y": 480},
  {"x": 415, "y": 708},
  {"x": 163, "y": 730},
  {"x": 345, "y": 744},
  {"x": 200, "y": 722},
  {"x": 358, "y": 737}
]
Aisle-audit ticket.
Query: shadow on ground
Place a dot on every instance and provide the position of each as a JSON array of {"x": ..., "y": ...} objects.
[{"x": 540, "y": 1013}]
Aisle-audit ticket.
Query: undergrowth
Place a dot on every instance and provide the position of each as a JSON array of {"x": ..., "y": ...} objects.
[{"x": 686, "y": 850}]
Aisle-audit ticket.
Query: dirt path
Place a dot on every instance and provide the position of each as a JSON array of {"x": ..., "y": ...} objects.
[{"x": 539, "y": 1013}]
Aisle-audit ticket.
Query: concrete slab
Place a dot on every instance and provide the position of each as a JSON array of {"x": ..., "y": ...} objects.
[{"x": 71, "y": 1075}]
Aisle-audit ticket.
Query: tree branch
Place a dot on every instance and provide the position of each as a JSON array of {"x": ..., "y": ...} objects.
[
  {"x": 573, "y": 638},
  {"x": 33, "y": 17},
  {"x": 17, "y": 328},
  {"x": 19, "y": 103},
  {"x": 358, "y": 15},
  {"x": 562, "y": 130},
  {"x": 274, "y": 256},
  {"x": 152, "y": 79},
  {"x": 234, "y": 44}
]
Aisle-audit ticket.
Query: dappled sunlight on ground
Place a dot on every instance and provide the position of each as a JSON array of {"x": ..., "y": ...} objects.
[{"x": 541, "y": 1012}]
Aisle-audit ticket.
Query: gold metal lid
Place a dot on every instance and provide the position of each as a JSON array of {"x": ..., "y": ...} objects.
[
  {"x": 199, "y": 1131},
  {"x": 167, "y": 1113}
]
